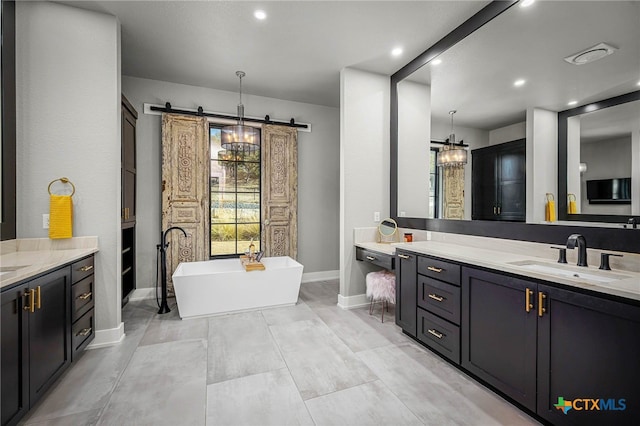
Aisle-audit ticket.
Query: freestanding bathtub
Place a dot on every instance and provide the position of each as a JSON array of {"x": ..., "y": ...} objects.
[{"x": 215, "y": 287}]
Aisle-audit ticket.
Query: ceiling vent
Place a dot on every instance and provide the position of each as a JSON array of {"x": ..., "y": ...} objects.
[{"x": 591, "y": 54}]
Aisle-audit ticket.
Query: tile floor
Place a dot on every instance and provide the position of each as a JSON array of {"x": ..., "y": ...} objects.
[{"x": 310, "y": 364}]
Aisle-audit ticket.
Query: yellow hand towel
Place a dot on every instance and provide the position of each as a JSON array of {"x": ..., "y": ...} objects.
[
  {"x": 60, "y": 216},
  {"x": 573, "y": 205},
  {"x": 550, "y": 209}
]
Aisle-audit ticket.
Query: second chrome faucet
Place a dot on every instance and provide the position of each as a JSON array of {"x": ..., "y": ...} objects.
[{"x": 581, "y": 242}]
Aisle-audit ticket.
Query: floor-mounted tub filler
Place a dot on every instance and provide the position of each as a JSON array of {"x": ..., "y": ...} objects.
[{"x": 215, "y": 287}]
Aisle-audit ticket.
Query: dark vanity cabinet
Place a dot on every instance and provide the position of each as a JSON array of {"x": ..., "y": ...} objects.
[
  {"x": 36, "y": 344},
  {"x": 39, "y": 337},
  {"x": 498, "y": 189},
  {"x": 540, "y": 344},
  {"x": 406, "y": 291}
]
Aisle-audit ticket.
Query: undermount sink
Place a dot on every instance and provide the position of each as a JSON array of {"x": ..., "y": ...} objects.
[{"x": 566, "y": 271}]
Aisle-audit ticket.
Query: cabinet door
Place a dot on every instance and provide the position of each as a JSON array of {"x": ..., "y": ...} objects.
[
  {"x": 588, "y": 348},
  {"x": 14, "y": 353},
  {"x": 406, "y": 292},
  {"x": 483, "y": 185},
  {"x": 49, "y": 331},
  {"x": 498, "y": 334},
  {"x": 128, "y": 163},
  {"x": 511, "y": 183}
]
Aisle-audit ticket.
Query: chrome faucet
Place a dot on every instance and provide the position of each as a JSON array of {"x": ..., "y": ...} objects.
[
  {"x": 582, "y": 247},
  {"x": 633, "y": 222}
]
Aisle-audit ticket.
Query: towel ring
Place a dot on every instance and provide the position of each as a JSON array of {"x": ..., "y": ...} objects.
[{"x": 63, "y": 180}]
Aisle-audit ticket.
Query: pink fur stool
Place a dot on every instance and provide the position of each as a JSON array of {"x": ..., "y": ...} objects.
[{"x": 381, "y": 287}]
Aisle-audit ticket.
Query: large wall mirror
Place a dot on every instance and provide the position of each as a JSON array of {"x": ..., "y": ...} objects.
[{"x": 507, "y": 72}]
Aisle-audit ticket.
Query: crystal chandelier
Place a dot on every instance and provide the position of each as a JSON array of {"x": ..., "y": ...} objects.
[
  {"x": 451, "y": 155},
  {"x": 240, "y": 137}
]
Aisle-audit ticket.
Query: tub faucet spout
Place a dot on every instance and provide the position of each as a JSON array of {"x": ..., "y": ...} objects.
[
  {"x": 581, "y": 242},
  {"x": 164, "y": 306}
]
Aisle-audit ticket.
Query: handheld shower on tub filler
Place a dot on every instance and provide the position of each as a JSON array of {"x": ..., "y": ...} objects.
[{"x": 162, "y": 247}]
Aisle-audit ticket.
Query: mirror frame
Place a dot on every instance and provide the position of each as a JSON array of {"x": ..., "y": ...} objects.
[
  {"x": 563, "y": 116},
  {"x": 8, "y": 222},
  {"x": 599, "y": 238}
]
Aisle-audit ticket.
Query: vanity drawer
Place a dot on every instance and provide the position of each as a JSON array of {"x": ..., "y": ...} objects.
[
  {"x": 439, "y": 298},
  {"x": 81, "y": 269},
  {"x": 439, "y": 269},
  {"x": 82, "y": 297},
  {"x": 439, "y": 335},
  {"x": 383, "y": 260},
  {"x": 82, "y": 332}
]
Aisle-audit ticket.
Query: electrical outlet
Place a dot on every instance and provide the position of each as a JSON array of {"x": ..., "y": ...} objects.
[
  {"x": 403, "y": 214},
  {"x": 376, "y": 216},
  {"x": 45, "y": 221}
]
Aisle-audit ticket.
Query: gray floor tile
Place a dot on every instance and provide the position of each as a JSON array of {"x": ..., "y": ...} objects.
[
  {"x": 86, "y": 418},
  {"x": 388, "y": 328},
  {"x": 169, "y": 327},
  {"x": 321, "y": 293},
  {"x": 369, "y": 404},
  {"x": 240, "y": 345},
  {"x": 164, "y": 384},
  {"x": 355, "y": 332},
  {"x": 261, "y": 399},
  {"x": 285, "y": 315}
]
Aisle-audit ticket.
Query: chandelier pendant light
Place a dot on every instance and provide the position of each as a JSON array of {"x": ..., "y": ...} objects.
[
  {"x": 239, "y": 137},
  {"x": 452, "y": 155}
]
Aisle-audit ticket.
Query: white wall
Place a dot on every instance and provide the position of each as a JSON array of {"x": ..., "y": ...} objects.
[
  {"x": 68, "y": 124},
  {"x": 318, "y": 167},
  {"x": 508, "y": 133},
  {"x": 542, "y": 161},
  {"x": 475, "y": 138},
  {"x": 364, "y": 167},
  {"x": 414, "y": 130}
]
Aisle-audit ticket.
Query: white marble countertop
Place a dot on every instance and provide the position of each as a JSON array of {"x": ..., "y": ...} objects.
[
  {"x": 386, "y": 248},
  {"x": 25, "y": 258},
  {"x": 623, "y": 283}
]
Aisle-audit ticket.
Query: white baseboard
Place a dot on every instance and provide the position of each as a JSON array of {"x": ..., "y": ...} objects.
[
  {"x": 108, "y": 337},
  {"x": 310, "y": 277},
  {"x": 350, "y": 302},
  {"x": 142, "y": 294}
]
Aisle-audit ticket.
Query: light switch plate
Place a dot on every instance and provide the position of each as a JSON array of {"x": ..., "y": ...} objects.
[
  {"x": 45, "y": 221},
  {"x": 376, "y": 216}
]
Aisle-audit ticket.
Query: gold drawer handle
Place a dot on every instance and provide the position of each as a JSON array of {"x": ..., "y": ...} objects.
[
  {"x": 435, "y": 333},
  {"x": 436, "y": 297},
  {"x": 404, "y": 256},
  {"x": 434, "y": 269},
  {"x": 84, "y": 332},
  {"x": 371, "y": 258},
  {"x": 85, "y": 296},
  {"x": 86, "y": 268},
  {"x": 30, "y": 305}
]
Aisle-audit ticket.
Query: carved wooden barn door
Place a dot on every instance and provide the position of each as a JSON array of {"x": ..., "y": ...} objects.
[
  {"x": 185, "y": 189},
  {"x": 453, "y": 192},
  {"x": 279, "y": 191}
]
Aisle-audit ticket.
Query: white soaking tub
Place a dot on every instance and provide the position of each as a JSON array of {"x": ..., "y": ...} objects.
[{"x": 215, "y": 287}]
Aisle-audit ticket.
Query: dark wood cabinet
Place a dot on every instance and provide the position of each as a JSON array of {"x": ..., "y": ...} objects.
[
  {"x": 386, "y": 261},
  {"x": 36, "y": 343},
  {"x": 128, "y": 214},
  {"x": 406, "y": 291},
  {"x": 499, "y": 333},
  {"x": 498, "y": 190},
  {"x": 588, "y": 348}
]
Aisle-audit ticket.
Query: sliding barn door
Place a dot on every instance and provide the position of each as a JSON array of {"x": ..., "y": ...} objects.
[
  {"x": 280, "y": 191},
  {"x": 185, "y": 188}
]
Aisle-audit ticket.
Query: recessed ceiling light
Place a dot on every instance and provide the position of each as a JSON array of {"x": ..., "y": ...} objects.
[
  {"x": 436, "y": 62},
  {"x": 397, "y": 51},
  {"x": 260, "y": 14},
  {"x": 639, "y": 83},
  {"x": 519, "y": 82},
  {"x": 526, "y": 3},
  {"x": 572, "y": 103}
]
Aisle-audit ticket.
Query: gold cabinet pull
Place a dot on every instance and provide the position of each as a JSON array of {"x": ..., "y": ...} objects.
[
  {"x": 38, "y": 299},
  {"x": 30, "y": 305},
  {"x": 86, "y": 268},
  {"x": 436, "y": 297},
  {"x": 85, "y": 296},
  {"x": 527, "y": 302},
  {"x": 434, "y": 269},
  {"x": 371, "y": 258},
  {"x": 498, "y": 209},
  {"x": 435, "y": 333},
  {"x": 495, "y": 210},
  {"x": 541, "y": 308},
  {"x": 404, "y": 256},
  {"x": 84, "y": 332}
]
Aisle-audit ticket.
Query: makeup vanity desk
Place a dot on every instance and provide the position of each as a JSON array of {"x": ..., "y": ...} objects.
[{"x": 380, "y": 254}]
